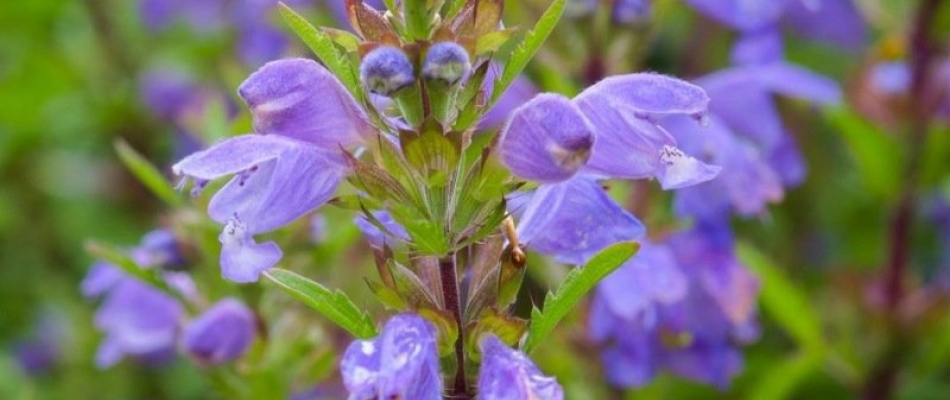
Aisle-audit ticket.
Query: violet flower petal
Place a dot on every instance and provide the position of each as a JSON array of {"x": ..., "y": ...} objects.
[
  {"x": 221, "y": 334},
  {"x": 300, "y": 99},
  {"x": 546, "y": 140},
  {"x": 508, "y": 374},
  {"x": 574, "y": 220}
]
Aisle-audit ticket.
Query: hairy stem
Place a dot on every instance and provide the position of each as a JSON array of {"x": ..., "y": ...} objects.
[{"x": 450, "y": 297}]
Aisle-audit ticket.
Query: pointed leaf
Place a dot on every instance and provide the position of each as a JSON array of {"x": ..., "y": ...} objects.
[
  {"x": 336, "y": 306},
  {"x": 575, "y": 286},
  {"x": 528, "y": 48},
  {"x": 147, "y": 173},
  {"x": 322, "y": 46}
]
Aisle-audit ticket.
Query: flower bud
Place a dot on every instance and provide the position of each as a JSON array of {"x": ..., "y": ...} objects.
[
  {"x": 446, "y": 61},
  {"x": 385, "y": 70},
  {"x": 222, "y": 334}
]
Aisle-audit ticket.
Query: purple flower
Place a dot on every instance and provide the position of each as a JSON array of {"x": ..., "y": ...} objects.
[
  {"x": 608, "y": 131},
  {"x": 508, "y": 374},
  {"x": 138, "y": 320},
  {"x": 221, "y": 334},
  {"x": 833, "y": 21},
  {"x": 203, "y": 16},
  {"x": 747, "y": 182},
  {"x": 303, "y": 116},
  {"x": 693, "y": 336},
  {"x": 41, "y": 352},
  {"x": 642, "y": 285},
  {"x": 402, "y": 362},
  {"x": 574, "y": 220}
]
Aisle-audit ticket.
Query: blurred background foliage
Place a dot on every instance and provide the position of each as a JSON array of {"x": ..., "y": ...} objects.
[{"x": 71, "y": 85}]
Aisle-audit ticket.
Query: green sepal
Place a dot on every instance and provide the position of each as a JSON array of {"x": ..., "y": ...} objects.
[
  {"x": 431, "y": 153},
  {"x": 509, "y": 329},
  {"x": 412, "y": 288},
  {"x": 388, "y": 296},
  {"x": 410, "y": 103},
  {"x": 510, "y": 276},
  {"x": 376, "y": 182},
  {"x": 448, "y": 331}
]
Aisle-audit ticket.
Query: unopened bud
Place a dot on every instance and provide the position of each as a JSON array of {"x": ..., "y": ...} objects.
[
  {"x": 385, "y": 70},
  {"x": 446, "y": 61}
]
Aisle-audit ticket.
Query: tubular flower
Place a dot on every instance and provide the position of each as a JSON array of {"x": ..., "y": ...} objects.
[
  {"x": 608, "y": 131},
  {"x": 302, "y": 116},
  {"x": 691, "y": 332},
  {"x": 401, "y": 363},
  {"x": 221, "y": 334},
  {"x": 508, "y": 374}
]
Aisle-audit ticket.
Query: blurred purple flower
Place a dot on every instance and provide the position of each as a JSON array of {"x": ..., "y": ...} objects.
[
  {"x": 41, "y": 352},
  {"x": 508, "y": 374},
  {"x": 302, "y": 117},
  {"x": 401, "y": 363},
  {"x": 138, "y": 320},
  {"x": 693, "y": 336},
  {"x": 746, "y": 135},
  {"x": 221, "y": 334},
  {"x": 836, "y": 22},
  {"x": 203, "y": 16}
]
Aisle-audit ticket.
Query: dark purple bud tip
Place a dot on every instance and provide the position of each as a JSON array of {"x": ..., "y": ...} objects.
[
  {"x": 385, "y": 70},
  {"x": 446, "y": 61}
]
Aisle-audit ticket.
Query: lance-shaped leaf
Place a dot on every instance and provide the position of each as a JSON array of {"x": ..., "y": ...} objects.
[
  {"x": 322, "y": 46},
  {"x": 336, "y": 306},
  {"x": 147, "y": 173},
  {"x": 528, "y": 47},
  {"x": 575, "y": 286}
]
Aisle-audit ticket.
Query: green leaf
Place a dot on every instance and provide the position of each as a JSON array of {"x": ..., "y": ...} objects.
[
  {"x": 336, "y": 306},
  {"x": 528, "y": 48},
  {"x": 147, "y": 173},
  {"x": 783, "y": 301},
  {"x": 877, "y": 153},
  {"x": 322, "y": 46},
  {"x": 575, "y": 286},
  {"x": 778, "y": 381}
]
